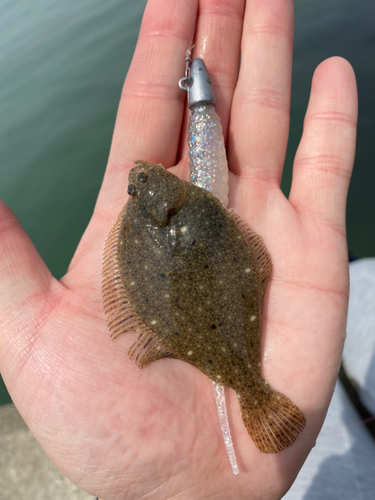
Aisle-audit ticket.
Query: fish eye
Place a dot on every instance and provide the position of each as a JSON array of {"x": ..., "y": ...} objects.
[
  {"x": 142, "y": 177},
  {"x": 132, "y": 189}
]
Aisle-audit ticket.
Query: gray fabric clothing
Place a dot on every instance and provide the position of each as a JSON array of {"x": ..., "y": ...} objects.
[
  {"x": 359, "y": 352},
  {"x": 342, "y": 464}
]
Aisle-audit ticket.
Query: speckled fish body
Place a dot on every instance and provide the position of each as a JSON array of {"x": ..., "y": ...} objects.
[{"x": 189, "y": 276}]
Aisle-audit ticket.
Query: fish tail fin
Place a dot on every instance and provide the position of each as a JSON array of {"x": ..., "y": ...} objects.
[{"x": 271, "y": 419}]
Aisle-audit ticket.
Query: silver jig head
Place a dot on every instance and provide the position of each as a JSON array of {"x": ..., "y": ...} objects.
[{"x": 197, "y": 83}]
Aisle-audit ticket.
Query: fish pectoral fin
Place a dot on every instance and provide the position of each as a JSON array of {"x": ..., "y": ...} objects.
[
  {"x": 272, "y": 420},
  {"x": 256, "y": 244},
  {"x": 148, "y": 348},
  {"x": 160, "y": 214},
  {"x": 164, "y": 209}
]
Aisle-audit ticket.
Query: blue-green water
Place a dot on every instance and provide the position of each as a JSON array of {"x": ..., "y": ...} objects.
[{"x": 62, "y": 66}]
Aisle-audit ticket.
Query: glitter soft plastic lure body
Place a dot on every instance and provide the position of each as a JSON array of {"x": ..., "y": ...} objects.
[{"x": 189, "y": 276}]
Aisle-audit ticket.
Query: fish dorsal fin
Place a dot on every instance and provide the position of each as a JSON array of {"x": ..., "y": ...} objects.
[
  {"x": 261, "y": 255},
  {"x": 120, "y": 315}
]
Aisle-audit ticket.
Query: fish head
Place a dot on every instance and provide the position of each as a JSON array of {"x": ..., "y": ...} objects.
[{"x": 157, "y": 193}]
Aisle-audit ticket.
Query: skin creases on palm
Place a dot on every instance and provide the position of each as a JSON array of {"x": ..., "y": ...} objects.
[{"x": 118, "y": 432}]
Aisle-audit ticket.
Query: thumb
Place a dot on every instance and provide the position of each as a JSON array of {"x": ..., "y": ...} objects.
[{"x": 25, "y": 292}]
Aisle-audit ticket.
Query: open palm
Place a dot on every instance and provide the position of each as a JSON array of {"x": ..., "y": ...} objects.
[{"x": 119, "y": 432}]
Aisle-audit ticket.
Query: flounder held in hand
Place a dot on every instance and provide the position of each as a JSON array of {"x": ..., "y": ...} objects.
[{"x": 189, "y": 276}]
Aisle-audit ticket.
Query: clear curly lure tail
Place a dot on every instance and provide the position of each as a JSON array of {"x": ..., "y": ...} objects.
[{"x": 209, "y": 170}]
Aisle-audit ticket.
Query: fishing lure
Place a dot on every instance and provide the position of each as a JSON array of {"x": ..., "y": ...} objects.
[
  {"x": 189, "y": 276},
  {"x": 207, "y": 156},
  {"x": 208, "y": 169}
]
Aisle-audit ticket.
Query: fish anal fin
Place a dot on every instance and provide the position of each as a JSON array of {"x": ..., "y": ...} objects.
[
  {"x": 148, "y": 348},
  {"x": 272, "y": 420},
  {"x": 261, "y": 255}
]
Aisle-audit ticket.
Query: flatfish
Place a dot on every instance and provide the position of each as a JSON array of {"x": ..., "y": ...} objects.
[{"x": 189, "y": 276}]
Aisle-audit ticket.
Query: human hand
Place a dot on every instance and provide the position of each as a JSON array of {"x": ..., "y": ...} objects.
[{"x": 118, "y": 432}]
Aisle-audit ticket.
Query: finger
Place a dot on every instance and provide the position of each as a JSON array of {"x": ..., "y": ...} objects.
[
  {"x": 260, "y": 110},
  {"x": 150, "y": 113},
  {"x": 325, "y": 156},
  {"x": 217, "y": 42},
  {"x": 25, "y": 286},
  {"x": 151, "y": 108}
]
